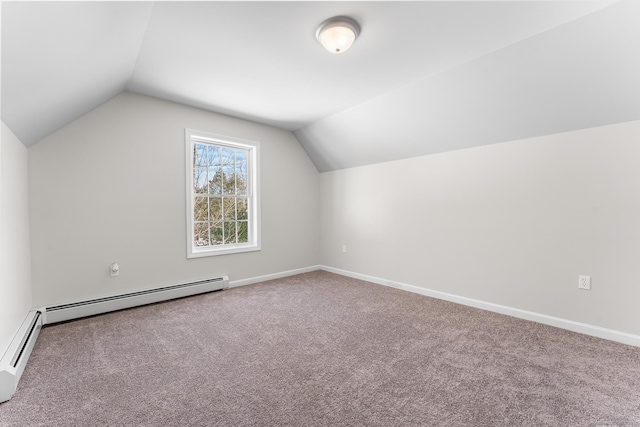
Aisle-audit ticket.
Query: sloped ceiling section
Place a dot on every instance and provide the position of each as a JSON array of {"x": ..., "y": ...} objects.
[
  {"x": 582, "y": 74},
  {"x": 60, "y": 60},
  {"x": 423, "y": 77},
  {"x": 261, "y": 61}
]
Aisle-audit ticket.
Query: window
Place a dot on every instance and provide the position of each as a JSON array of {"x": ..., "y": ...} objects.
[{"x": 223, "y": 212}]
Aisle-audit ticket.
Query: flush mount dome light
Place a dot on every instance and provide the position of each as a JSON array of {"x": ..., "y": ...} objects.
[{"x": 337, "y": 34}]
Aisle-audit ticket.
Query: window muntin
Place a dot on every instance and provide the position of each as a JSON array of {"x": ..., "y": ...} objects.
[{"x": 222, "y": 211}]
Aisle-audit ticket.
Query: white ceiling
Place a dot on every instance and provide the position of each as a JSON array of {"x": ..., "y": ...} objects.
[{"x": 423, "y": 77}]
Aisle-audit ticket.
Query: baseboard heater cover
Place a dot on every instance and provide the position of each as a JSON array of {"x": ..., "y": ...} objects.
[
  {"x": 15, "y": 358},
  {"x": 60, "y": 313}
]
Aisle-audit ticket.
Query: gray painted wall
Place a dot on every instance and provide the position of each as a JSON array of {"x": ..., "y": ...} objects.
[
  {"x": 15, "y": 263},
  {"x": 110, "y": 187},
  {"x": 511, "y": 224}
]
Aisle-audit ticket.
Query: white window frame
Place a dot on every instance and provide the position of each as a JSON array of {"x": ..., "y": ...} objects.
[{"x": 195, "y": 136}]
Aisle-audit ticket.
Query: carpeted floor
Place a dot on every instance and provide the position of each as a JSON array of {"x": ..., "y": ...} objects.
[{"x": 320, "y": 349}]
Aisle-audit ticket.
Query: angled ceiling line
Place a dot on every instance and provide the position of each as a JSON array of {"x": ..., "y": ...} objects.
[{"x": 139, "y": 50}]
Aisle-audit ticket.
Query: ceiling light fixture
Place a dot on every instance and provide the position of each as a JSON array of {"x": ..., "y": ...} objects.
[{"x": 337, "y": 34}]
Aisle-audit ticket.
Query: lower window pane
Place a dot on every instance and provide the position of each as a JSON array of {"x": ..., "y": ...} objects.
[
  {"x": 200, "y": 209},
  {"x": 243, "y": 231},
  {"x": 230, "y": 232},
  {"x": 229, "y": 207},
  {"x": 201, "y": 234},
  {"x": 216, "y": 233},
  {"x": 215, "y": 209},
  {"x": 243, "y": 206}
]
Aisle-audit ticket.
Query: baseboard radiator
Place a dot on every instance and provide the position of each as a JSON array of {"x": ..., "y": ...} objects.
[
  {"x": 15, "y": 358},
  {"x": 60, "y": 313}
]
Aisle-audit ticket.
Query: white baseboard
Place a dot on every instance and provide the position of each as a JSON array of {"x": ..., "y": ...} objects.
[
  {"x": 258, "y": 279},
  {"x": 15, "y": 358},
  {"x": 583, "y": 328},
  {"x": 11, "y": 369}
]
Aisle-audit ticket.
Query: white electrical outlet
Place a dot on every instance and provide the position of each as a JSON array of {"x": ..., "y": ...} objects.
[
  {"x": 344, "y": 248},
  {"x": 584, "y": 282}
]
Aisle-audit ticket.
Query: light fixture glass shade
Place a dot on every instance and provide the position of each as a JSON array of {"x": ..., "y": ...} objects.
[{"x": 338, "y": 34}]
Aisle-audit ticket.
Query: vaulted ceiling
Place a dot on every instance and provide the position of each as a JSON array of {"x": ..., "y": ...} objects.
[{"x": 422, "y": 78}]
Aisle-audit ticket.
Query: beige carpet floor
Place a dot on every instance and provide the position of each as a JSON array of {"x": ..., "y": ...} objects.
[{"x": 320, "y": 349}]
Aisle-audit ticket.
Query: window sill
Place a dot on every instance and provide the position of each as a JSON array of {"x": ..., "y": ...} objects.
[{"x": 226, "y": 250}]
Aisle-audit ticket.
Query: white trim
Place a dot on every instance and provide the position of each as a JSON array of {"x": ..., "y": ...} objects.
[
  {"x": 222, "y": 250},
  {"x": 254, "y": 244},
  {"x": 259, "y": 279},
  {"x": 582, "y": 328}
]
